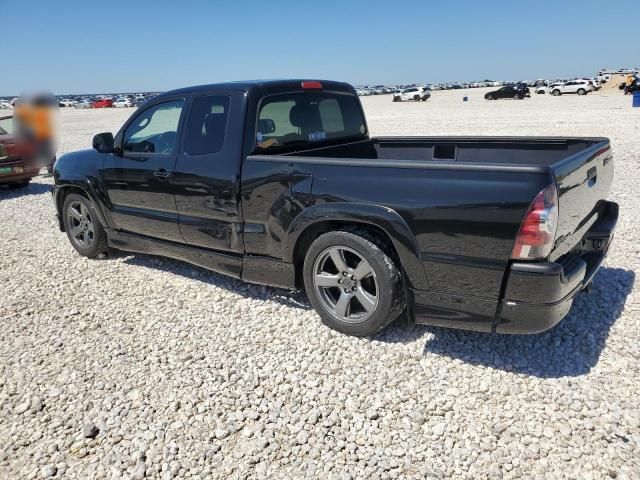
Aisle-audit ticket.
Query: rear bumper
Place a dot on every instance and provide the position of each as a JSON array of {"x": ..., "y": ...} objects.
[
  {"x": 20, "y": 170},
  {"x": 538, "y": 295}
]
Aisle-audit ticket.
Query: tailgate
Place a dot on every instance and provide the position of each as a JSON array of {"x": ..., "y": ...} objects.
[{"x": 583, "y": 181}]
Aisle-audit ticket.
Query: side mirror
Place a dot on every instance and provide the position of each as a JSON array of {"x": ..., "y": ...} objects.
[
  {"x": 266, "y": 126},
  {"x": 103, "y": 142}
]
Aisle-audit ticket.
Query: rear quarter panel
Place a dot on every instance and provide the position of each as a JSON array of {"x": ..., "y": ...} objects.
[{"x": 463, "y": 222}]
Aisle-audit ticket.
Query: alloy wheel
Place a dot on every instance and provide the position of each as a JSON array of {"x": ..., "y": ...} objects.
[
  {"x": 80, "y": 224},
  {"x": 346, "y": 284}
]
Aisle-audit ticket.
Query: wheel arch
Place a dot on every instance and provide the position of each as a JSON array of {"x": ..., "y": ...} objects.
[
  {"x": 384, "y": 222},
  {"x": 83, "y": 188}
]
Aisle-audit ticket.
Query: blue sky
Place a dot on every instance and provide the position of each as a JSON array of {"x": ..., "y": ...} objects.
[{"x": 86, "y": 46}]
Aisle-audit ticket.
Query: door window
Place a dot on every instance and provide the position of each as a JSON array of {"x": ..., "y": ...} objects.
[
  {"x": 155, "y": 130},
  {"x": 206, "y": 125}
]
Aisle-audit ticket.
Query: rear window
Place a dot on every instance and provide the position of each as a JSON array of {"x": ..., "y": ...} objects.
[{"x": 308, "y": 117}]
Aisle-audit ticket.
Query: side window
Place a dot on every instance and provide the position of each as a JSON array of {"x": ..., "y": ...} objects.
[
  {"x": 155, "y": 130},
  {"x": 207, "y": 125}
]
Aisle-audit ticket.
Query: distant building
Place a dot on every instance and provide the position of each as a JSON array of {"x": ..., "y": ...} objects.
[{"x": 605, "y": 75}]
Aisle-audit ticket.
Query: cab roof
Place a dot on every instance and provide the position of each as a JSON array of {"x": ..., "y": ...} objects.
[{"x": 265, "y": 87}]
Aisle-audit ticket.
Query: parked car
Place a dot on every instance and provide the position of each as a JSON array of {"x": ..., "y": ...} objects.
[
  {"x": 415, "y": 93},
  {"x": 509, "y": 91},
  {"x": 102, "y": 103},
  {"x": 122, "y": 103},
  {"x": 5, "y": 105},
  {"x": 17, "y": 165},
  {"x": 581, "y": 87},
  {"x": 84, "y": 103},
  {"x": 595, "y": 83},
  {"x": 543, "y": 89},
  {"x": 474, "y": 232},
  {"x": 66, "y": 102},
  {"x": 136, "y": 102}
]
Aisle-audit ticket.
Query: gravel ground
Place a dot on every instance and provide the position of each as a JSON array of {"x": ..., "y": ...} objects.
[{"x": 135, "y": 366}]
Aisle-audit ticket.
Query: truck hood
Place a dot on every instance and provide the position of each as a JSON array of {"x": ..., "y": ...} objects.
[{"x": 70, "y": 164}]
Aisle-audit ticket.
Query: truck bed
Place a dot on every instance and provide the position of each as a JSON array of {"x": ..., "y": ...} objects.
[
  {"x": 581, "y": 167},
  {"x": 520, "y": 151}
]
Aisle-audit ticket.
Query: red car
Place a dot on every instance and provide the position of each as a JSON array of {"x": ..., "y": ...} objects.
[
  {"x": 17, "y": 164},
  {"x": 103, "y": 103}
]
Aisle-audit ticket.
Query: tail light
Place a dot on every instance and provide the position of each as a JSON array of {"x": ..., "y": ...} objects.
[
  {"x": 538, "y": 229},
  {"x": 8, "y": 150}
]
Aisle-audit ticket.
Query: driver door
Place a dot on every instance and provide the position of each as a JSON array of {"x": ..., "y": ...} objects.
[{"x": 139, "y": 178}]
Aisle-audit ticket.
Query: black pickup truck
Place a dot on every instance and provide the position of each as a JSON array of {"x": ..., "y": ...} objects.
[{"x": 279, "y": 183}]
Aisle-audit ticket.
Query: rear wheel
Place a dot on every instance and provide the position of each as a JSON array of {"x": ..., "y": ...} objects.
[
  {"x": 517, "y": 97},
  {"x": 416, "y": 98},
  {"x": 352, "y": 283},
  {"x": 84, "y": 230},
  {"x": 556, "y": 93},
  {"x": 396, "y": 99},
  {"x": 425, "y": 98},
  {"x": 581, "y": 91}
]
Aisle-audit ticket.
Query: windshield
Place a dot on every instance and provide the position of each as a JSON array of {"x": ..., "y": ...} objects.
[
  {"x": 308, "y": 117},
  {"x": 6, "y": 125}
]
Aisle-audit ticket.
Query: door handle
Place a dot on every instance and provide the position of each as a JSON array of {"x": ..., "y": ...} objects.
[{"x": 162, "y": 173}]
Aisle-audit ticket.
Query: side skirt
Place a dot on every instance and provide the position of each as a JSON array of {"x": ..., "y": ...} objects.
[
  {"x": 218, "y": 262},
  {"x": 251, "y": 268}
]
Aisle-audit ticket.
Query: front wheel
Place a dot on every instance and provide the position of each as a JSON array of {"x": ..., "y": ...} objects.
[
  {"x": 489, "y": 97},
  {"x": 556, "y": 93},
  {"x": 83, "y": 227},
  {"x": 352, "y": 283}
]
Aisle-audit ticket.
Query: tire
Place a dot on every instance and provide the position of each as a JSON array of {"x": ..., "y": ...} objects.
[
  {"x": 20, "y": 184},
  {"x": 556, "y": 93},
  {"x": 91, "y": 239},
  {"x": 416, "y": 98},
  {"x": 582, "y": 91},
  {"x": 517, "y": 97},
  {"x": 396, "y": 99},
  {"x": 425, "y": 98},
  {"x": 380, "y": 284},
  {"x": 489, "y": 97}
]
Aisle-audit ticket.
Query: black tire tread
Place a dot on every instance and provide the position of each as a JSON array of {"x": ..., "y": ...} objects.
[
  {"x": 374, "y": 245},
  {"x": 100, "y": 247}
]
